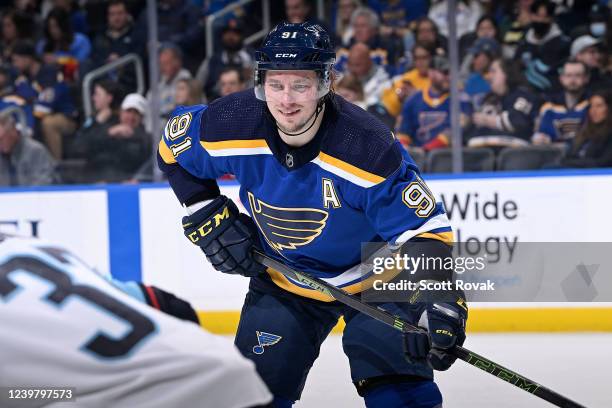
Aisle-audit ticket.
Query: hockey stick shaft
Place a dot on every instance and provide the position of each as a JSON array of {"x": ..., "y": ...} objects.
[{"x": 397, "y": 323}]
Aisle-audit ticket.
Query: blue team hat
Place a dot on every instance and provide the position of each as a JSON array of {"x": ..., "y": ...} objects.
[{"x": 486, "y": 45}]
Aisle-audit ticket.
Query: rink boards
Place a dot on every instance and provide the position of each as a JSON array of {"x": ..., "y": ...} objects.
[{"x": 134, "y": 232}]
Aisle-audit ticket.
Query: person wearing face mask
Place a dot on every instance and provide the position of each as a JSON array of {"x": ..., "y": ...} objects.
[
  {"x": 597, "y": 23},
  {"x": 543, "y": 49},
  {"x": 233, "y": 54}
]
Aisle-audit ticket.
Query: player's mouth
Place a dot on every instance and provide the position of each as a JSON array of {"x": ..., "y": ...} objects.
[{"x": 289, "y": 113}]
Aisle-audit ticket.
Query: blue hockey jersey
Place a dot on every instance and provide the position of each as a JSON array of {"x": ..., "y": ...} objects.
[
  {"x": 425, "y": 119},
  {"x": 313, "y": 205},
  {"x": 560, "y": 123}
]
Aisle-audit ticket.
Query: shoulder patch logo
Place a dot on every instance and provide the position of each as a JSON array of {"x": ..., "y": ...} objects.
[
  {"x": 265, "y": 340},
  {"x": 287, "y": 228}
]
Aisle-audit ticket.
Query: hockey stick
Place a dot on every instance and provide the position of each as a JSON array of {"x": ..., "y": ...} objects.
[{"x": 397, "y": 323}]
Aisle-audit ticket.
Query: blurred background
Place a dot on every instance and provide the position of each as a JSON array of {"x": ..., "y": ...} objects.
[{"x": 88, "y": 84}]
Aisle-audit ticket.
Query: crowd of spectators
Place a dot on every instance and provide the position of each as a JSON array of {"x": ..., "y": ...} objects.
[{"x": 532, "y": 72}]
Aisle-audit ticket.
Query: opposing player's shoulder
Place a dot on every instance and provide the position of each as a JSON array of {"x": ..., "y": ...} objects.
[{"x": 359, "y": 145}]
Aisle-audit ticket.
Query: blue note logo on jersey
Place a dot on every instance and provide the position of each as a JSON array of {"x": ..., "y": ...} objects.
[
  {"x": 287, "y": 228},
  {"x": 265, "y": 339}
]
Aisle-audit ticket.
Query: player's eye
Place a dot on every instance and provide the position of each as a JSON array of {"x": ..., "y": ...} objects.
[
  {"x": 301, "y": 87},
  {"x": 276, "y": 86}
]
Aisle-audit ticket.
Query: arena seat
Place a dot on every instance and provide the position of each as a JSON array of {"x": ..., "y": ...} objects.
[
  {"x": 474, "y": 159},
  {"x": 528, "y": 158}
]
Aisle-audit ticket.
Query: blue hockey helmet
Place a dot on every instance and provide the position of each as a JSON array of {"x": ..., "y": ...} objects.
[{"x": 296, "y": 46}]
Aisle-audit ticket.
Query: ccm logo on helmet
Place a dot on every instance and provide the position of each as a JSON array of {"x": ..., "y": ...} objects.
[{"x": 285, "y": 55}]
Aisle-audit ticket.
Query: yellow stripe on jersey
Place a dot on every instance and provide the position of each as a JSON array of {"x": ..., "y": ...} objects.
[
  {"x": 369, "y": 178},
  {"x": 234, "y": 144},
  {"x": 165, "y": 153},
  {"x": 446, "y": 237}
]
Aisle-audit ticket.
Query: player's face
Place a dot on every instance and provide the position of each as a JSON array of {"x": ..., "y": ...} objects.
[{"x": 292, "y": 98}]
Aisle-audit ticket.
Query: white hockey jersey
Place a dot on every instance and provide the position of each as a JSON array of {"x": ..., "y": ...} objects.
[{"x": 63, "y": 325}]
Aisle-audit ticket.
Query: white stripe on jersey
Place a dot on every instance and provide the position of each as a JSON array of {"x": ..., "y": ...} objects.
[{"x": 439, "y": 221}]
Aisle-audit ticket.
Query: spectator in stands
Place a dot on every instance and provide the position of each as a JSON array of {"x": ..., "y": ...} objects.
[
  {"x": 468, "y": 13},
  {"x": 507, "y": 114},
  {"x": 62, "y": 46},
  {"x": 342, "y": 27},
  {"x": 233, "y": 54},
  {"x": 179, "y": 22},
  {"x": 592, "y": 146},
  {"x": 564, "y": 114},
  {"x": 43, "y": 86},
  {"x": 23, "y": 160},
  {"x": 374, "y": 79},
  {"x": 597, "y": 24},
  {"x": 396, "y": 16},
  {"x": 117, "y": 40},
  {"x": 172, "y": 71},
  {"x": 479, "y": 60},
  {"x": 426, "y": 33},
  {"x": 114, "y": 156},
  {"x": 78, "y": 19},
  {"x": 384, "y": 51},
  {"x": 350, "y": 88},
  {"x": 425, "y": 117},
  {"x": 416, "y": 79},
  {"x": 298, "y": 11},
  {"x": 16, "y": 26},
  {"x": 8, "y": 98},
  {"x": 587, "y": 49},
  {"x": 485, "y": 28},
  {"x": 230, "y": 81},
  {"x": 515, "y": 21},
  {"x": 188, "y": 92},
  {"x": 543, "y": 49},
  {"x": 106, "y": 98}
]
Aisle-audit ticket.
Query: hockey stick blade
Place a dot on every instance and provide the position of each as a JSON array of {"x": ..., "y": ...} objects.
[{"x": 397, "y": 323}]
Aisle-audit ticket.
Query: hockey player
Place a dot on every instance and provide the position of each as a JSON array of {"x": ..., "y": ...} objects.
[
  {"x": 318, "y": 176},
  {"x": 65, "y": 326}
]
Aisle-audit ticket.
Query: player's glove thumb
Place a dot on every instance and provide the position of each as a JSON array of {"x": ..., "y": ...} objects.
[
  {"x": 446, "y": 323},
  {"x": 446, "y": 329},
  {"x": 225, "y": 235}
]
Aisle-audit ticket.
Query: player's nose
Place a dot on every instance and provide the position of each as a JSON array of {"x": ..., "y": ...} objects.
[{"x": 287, "y": 97}]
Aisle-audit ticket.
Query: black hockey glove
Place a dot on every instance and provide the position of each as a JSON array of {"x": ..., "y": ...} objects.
[
  {"x": 226, "y": 237},
  {"x": 446, "y": 325},
  {"x": 168, "y": 303}
]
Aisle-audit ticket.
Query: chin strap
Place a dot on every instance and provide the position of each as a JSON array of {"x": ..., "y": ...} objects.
[{"x": 315, "y": 115}]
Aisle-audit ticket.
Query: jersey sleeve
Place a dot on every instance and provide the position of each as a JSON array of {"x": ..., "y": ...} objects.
[
  {"x": 401, "y": 207},
  {"x": 545, "y": 123},
  {"x": 520, "y": 116},
  {"x": 190, "y": 170},
  {"x": 408, "y": 124}
]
